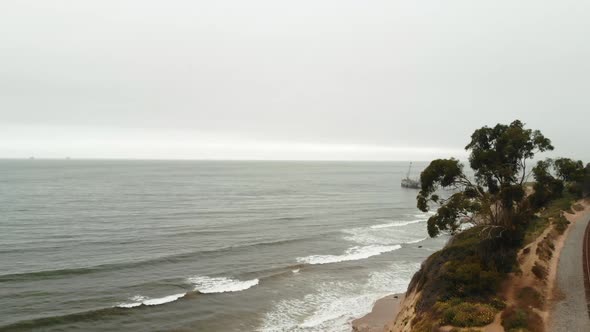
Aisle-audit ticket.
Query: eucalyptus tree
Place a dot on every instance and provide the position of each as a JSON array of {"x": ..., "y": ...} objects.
[
  {"x": 573, "y": 174},
  {"x": 496, "y": 196}
]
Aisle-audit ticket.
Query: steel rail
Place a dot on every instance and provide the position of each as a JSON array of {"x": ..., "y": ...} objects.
[{"x": 586, "y": 264}]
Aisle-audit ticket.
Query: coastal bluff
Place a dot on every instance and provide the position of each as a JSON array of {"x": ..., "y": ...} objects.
[{"x": 531, "y": 294}]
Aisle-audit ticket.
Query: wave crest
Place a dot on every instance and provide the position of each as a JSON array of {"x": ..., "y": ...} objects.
[
  {"x": 397, "y": 224},
  {"x": 352, "y": 254},
  {"x": 209, "y": 285},
  {"x": 139, "y": 300}
]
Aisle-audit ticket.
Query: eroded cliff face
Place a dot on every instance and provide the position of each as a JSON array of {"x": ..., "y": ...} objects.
[
  {"x": 528, "y": 291},
  {"x": 407, "y": 312}
]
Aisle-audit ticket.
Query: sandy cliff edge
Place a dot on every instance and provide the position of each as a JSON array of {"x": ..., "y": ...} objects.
[{"x": 392, "y": 314}]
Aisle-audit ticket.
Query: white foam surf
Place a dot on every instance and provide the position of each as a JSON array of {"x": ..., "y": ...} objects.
[
  {"x": 425, "y": 214},
  {"x": 366, "y": 236},
  {"x": 336, "y": 303},
  {"x": 204, "y": 285},
  {"x": 352, "y": 254},
  {"x": 210, "y": 285},
  {"x": 397, "y": 224},
  {"x": 139, "y": 300},
  {"x": 415, "y": 241}
]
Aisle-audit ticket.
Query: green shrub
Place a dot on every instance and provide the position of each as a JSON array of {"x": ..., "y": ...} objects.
[
  {"x": 544, "y": 250},
  {"x": 465, "y": 314},
  {"x": 498, "y": 303},
  {"x": 576, "y": 189},
  {"x": 528, "y": 296},
  {"x": 514, "y": 319},
  {"x": 540, "y": 271},
  {"x": 423, "y": 323},
  {"x": 561, "y": 224},
  {"x": 470, "y": 268},
  {"x": 578, "y": 207},
  {"x": 534, "y": 228},
  {"x": 522, "y": 320}
]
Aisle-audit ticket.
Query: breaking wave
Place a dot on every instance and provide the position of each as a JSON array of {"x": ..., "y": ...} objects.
[
  {"x": 139, "y": 300},
  {"x": 209, "y": 285},
  {"x": 334, "y": 304},
  {"x": 203, "y": 285},
  {"x": 397, "y": 224},
  {"x": 352, "y": 254}
]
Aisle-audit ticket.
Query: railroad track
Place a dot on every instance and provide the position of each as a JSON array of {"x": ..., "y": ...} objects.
[{"x": 586, "y": 265}]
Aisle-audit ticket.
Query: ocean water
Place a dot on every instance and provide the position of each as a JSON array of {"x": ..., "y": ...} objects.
[{"x": 203, "y": 245}]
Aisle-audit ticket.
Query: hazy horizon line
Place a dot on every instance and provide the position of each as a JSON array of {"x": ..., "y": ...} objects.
[{"x": 33, "y": 158}]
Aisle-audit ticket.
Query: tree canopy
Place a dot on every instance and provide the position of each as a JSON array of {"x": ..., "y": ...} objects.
[
  {"x": 553, "y": 176},
  {"x": 496, "y": 196}
]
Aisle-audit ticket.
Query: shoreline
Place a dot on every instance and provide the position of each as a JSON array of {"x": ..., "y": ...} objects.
[
  {"x": 383, "y": 312},
  {"x": 386, "y": 309}
]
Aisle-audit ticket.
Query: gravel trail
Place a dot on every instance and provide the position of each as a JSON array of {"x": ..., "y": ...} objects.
[{"x": 571, "y": 313}]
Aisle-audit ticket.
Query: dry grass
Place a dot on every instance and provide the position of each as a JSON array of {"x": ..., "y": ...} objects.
[
  {"x": 578, "y": 207},
  {"x": 522, "y": 320},
  {"x": 530, "y": 297}
]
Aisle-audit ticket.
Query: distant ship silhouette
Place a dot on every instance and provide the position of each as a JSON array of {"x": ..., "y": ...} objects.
[{"x": 407, "y": 182}]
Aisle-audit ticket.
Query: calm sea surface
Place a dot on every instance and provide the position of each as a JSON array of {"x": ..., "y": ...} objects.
[{"x": 203, "y": 246}]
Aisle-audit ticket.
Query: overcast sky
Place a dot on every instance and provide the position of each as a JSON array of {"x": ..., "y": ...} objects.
[{"x": 272, "y": 79}]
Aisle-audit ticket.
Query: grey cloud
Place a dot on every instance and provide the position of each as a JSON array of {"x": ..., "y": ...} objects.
[{"x": 392, "y": 74}]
